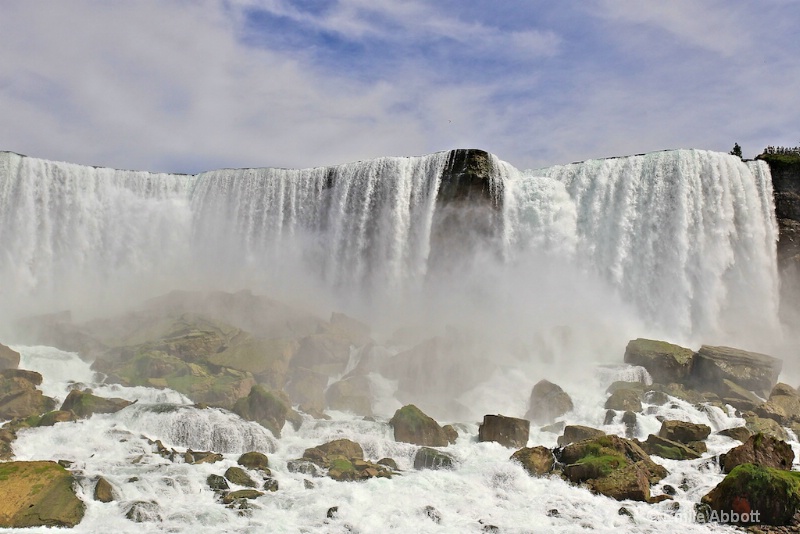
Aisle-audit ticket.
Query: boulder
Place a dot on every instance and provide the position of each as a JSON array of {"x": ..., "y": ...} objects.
[
  {"x": 451, "y": 433},
  {"x": 625, "y": 400},
  {"x": 202, "y": 457},
  {"x": 143, "y": 512},
  {"x": 238, "y": 476},
  {"x": 537, "y": 461},
  {"x": 103, "y": 490},
  {"x": 234, "y": 496},
  {"x": 740, "y": 398},
  {"x": 307, "y": 389},
  {"x": 353, "y": 394},
  {"x": 629, "y": 420},
  {"x": 753, "y": 371},
  {"x": 344, "y": 460},
  {"x": 254, "y": 460},
  {"x": 340, "y": 447},
  {"x": 56, "y": 416},
  {"x": 267, "y": 360},
  {"x": 9, "y": 358},
  {"x": 573, "y": 433},
  {"x": 770, "y": 427},
  {"x": 270, "y": 409},
  {"x": 326, "y": 352},
  {"x": 667, "y": 448},
  {"x": 411, "y": 425},
  {"x": 217, "y": 483},
  {"x": 507, "y": 431},
  {"x": 19, "y": 398},
  {"x": 612, "y": 466},
  {"x": 739, "y": 433},
  {"x": 683, "y": 432},
  {"x": 783, "y": 405},
  {"x": 758, "y": 494},
  {"x": 548, "y": 402},
  {"x": 664, "y": 361},
  {"x": 83, "y": 404},
  {"x": 427, "y": 458},
  {"x": 38, "y": 494},
  {"x": 759, "y": 449}
]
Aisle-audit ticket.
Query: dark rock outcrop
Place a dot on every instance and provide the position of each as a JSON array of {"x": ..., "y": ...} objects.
[
  {"x": 548, "y": 401},
  {"x": 507, "y": 431},
  {"x": 759, "y": 449},
  {"x": 573, "y": 433},
  {"x": 270, "y": 409},
  {"x": 254, "y": 460},
  {"x": 428, "y": 458},
  {"x": 19, "y": 397},
  {"x": 774, "y": 494},
  {"x": 751, "y": 370},
  {"x": 103, "y": 490},
  {"x": 625, "y": 400},
  {"x": 683, "y": 432},
  {"x": 667, "y": 448}
]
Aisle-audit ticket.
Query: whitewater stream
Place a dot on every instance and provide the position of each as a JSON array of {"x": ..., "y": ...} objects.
[{"x": 485, "y": 488}]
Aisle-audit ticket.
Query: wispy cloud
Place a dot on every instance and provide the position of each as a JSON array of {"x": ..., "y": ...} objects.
[{"x": 185, "y": 86}]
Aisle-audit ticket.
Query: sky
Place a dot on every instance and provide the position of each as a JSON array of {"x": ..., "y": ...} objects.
[{"x": 193, "y": 85}]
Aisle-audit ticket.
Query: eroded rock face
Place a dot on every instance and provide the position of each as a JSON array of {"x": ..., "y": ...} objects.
[
  {"x": 38, "y": 494},
  {"x": 759, "y": 449},
  {"x": 773, "y": 493},
  {"x": 667, "y": 448},
  {"x": 751, "y": 370},
  {"x": 344, "y": 460},
  {"x": 573, "y": 433},
  {"x": 625, "y": 400},
  {"x": 507, "y": 431},
  {"x": 548, "y": 402},
  {"x": 19, "y": 397},
  {"x": 683, "y": 432},
  {"x": 9, "y": 359},
  {"x": 411, "y": 425}
]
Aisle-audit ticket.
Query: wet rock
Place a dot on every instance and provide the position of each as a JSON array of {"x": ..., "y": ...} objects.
[
  {"x": 202, "y": 457},
  {"x": 507, "y": 431},
  {"x": 664, "y": 361},
  {"x": 770, "y": 427},
  {"x": 143, "y": 511},
  {"x": 669, "y": 490},
  {"x": 332, "y": 512},
  {"x": 739, "y": 433},
  {"x": 56, "y": 416},
  {"x": 353, "y": 394},
  {"x": 773, "y": 494},
  {"x": 388, "y": 462},
  {"x": 19, "y": 398},
  {"x": 759, "y": 449},
  {"x": 344, "y": 460},
  {"x": 537, "y": 461},
  {"x": 83, "y": 404},
  {"x": 573, "y": 433},
  {"x": 341, "y": 447},
  {"x": 782, "y": 406},
  {"x": 666, "y": 448},
  {"x": 307, "y": 484},
  {"x": 103, "y": 491},
  {"x": 629, "y": 420},
  {"x": 548, "y": 402},
  {"x": 625, "y": 400},
  {"x": 217, "y": 483},
  {"x": 751, "y": 370},
  {"x": 555, "y": 428},
  {"x": 657, "y": 398},
  {"x": 254, "y": 460},
  {"x": 270, "y": 409},
  {"x": 683, "y": 432},
  {"x": 740, "y": 398},
  {"x": 427, "y": 458},
  {"x": 306, "y": 388},
  {"x": 411, "y": 425},
  {"x": 238, "y": 476},
  {"x": 234, "y": 496},
  {"x": 303, "y": 466},
  {"x": 38, "y": 494},
  {"x": 611, "y": 466},
  {"x": 609, "y": 418},
  {"x": 270, "y": 484},
  {"x": 9, "y": 359},
  {"x": 451, "y": 433},
  {"x": 432, "y": 514}
]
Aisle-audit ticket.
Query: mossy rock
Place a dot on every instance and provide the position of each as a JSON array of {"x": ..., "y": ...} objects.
[
  {"x": 238, "y": 476},
  {"x": 412, "y": 425},
  {"x": 241, "y": 494},
  {"x": 266, "y": 359},
  {"x": 428, "y": 458},
  {"x": 84, "y": 404},
  {"x": 773, "y": 493},
  {"x": 664, "y": 361},
  {"x": 537, "y": 461},
  {"x": 254, "y": 460},
  {"x": 38, "y": 494},
  {"x": 270, "y": 409}
]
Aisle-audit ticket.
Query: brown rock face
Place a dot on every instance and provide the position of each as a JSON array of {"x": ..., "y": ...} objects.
[
  {"x": 625, "y": 400},
  {"x": 665, "y": 362},
  {"x": 683, "y": 432},
  {"x": 19, "y": 397},
  {"x": 507, "y": 431},
  {"x": 573, "y": 433},
  {"x": 537, "y": 461},
  {"x": 759, "y": 449},
  {"x": 38, "y": 494},
  {"x": 751, "y": 370},
  {"x": 548, "y": 401},
  {"x": 9, "y": 359}
]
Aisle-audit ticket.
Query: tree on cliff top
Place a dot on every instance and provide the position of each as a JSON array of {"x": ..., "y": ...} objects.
[{"x": 737, "y": 150}]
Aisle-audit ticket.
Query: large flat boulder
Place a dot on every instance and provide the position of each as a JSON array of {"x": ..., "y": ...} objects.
[
  {"x": 665, "y": 362},
  {"x": 19, "y": 397},
  {"x": 84, "y": 403},
  {"x": 751, "y": 370},
  {"x": 38, "y": 494},
  {"x": 507, "y": 431},
  {"x": 759, "y": 449},
  {"x": 412, "y": 425}
]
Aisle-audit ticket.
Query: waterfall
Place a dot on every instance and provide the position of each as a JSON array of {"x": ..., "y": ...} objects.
[{"x": 686, "y": 237}]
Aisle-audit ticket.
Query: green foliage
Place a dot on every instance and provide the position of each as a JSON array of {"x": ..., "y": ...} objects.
[{"x": 737, "y": 150}]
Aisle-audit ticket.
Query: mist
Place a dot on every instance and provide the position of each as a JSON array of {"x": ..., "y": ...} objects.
[{"x": 554, "y": 274}]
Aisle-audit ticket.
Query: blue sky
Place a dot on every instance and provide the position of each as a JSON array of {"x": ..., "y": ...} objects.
[{"x": 185, "y": 86}]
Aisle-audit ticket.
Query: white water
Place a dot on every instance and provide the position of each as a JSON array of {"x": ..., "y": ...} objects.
[
  {"x": 485, "y": 486},
  {"x": 684, "y": 239}
]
